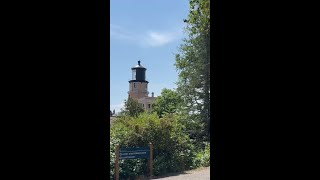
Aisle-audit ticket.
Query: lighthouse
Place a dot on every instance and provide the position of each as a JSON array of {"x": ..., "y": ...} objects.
[{"x": 138, "y": 87}]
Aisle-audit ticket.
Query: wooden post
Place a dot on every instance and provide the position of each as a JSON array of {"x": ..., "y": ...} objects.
[
  {"x": 116, "y": 169},
  {"x": 151, "y": 160}
]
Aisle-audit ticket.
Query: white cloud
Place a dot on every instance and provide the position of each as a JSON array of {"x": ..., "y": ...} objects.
[
  {"x": 145, "y": 39},
  {"x": 156, "y": 39}
]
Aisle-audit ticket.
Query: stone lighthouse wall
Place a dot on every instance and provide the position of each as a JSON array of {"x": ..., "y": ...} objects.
[{"x": 138, "y": 90}]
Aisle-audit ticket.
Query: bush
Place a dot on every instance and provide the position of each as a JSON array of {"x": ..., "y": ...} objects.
[
  {"x": 173, "y": 150},
  {"x": 203, "y": 157}
]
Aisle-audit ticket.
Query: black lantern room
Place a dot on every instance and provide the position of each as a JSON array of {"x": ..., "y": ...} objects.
[{"x": 138, "y": 73}]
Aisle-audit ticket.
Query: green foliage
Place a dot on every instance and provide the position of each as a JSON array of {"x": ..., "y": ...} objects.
[
  {"x": 132, "y": 108},
  {"x": 194, "y": 127},
  {"x": 199, "y": 17},
  {"x": 173, "y": 149},
  {"x": 179, "y": 124},
  {"x": 193, "y": 63},
  {"x": 167, "y": 103},
  {"x": 202, "y": 158}
]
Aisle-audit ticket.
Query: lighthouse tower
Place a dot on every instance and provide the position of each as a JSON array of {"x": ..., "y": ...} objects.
[{"x": 138, "y": 86}]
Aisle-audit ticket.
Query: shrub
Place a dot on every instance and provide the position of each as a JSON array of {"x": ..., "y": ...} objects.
[
  {"x": 173, "y": 150},
  {"x": 202, "y": 158}
]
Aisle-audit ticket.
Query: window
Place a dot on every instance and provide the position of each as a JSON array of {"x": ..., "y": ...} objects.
[
  {"x": 134, "y": 85},
  {"x": 134, "y": 74},
  {"x": 142, "y": 105},
  {"x": 149, "y": 106}
]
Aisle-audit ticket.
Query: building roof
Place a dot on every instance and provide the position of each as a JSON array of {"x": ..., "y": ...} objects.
[
  {"x": 138, "y": 66},
  {"x": 148, "y": 99}
]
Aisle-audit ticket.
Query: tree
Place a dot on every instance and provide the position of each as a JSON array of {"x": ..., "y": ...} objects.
[
  {"x": 193, "y": 63},
  {"x": 132, "y": 108},
  {"x": 167, "y": 103}
]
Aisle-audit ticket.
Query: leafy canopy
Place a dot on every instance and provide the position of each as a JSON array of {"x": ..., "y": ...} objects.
[
  {"x": 167, "y": 103},
  {"x": 132, "y": 108},
  {"x": 193, "y": 63}
]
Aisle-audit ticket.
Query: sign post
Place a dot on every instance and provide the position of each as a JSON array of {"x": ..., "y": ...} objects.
[
  {"x": 151, "y": 160},
  {"x": 134, "y": 153},
  {"x": 117, "y": 163}
]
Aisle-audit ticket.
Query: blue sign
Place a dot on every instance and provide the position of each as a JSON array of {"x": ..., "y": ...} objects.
[{"x": 135, "y": 153}]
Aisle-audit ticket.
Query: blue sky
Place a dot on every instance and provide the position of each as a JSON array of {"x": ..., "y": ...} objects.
[{"x": 150, "y": 31}]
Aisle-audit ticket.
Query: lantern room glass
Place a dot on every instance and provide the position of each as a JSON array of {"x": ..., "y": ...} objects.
[{"x": 134, "y": 74}]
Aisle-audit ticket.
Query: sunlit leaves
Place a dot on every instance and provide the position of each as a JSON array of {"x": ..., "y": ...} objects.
[{"x": 193, "y": 62}]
